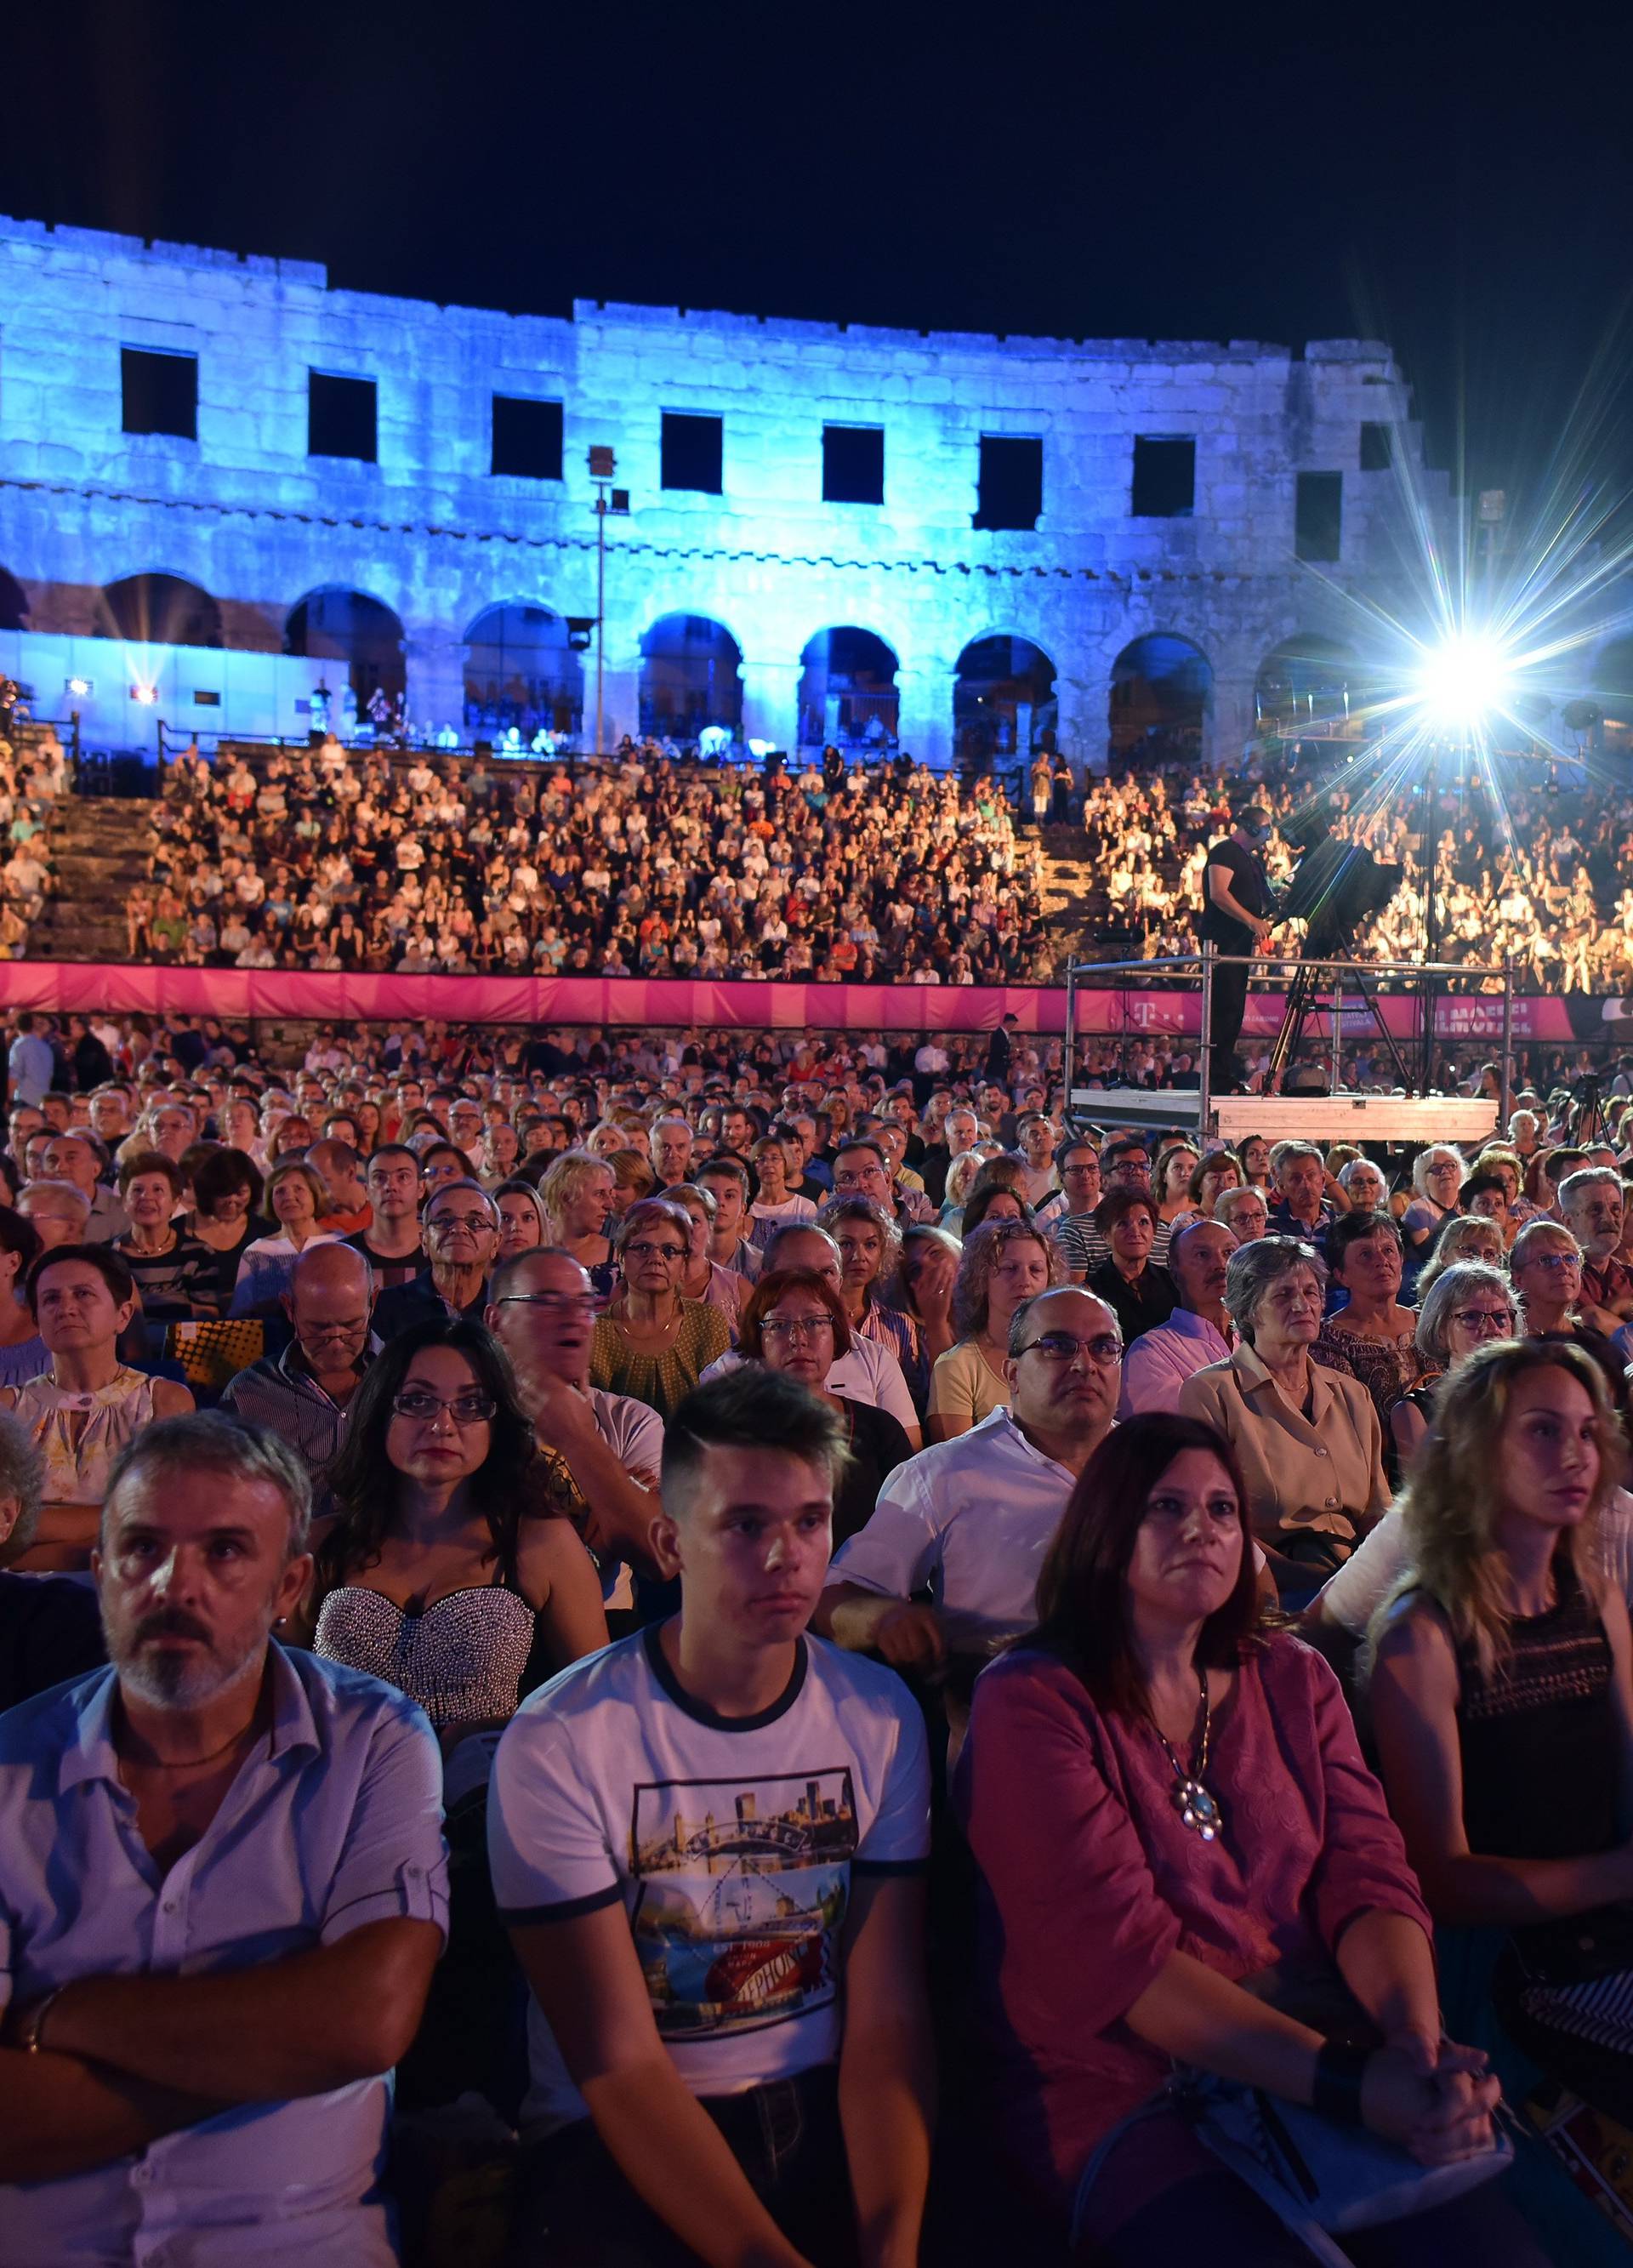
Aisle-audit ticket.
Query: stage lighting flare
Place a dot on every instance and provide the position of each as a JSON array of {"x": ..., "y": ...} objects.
[
  {"x": 1461, "y": 681},
  {"x": 146, "y": 694}
]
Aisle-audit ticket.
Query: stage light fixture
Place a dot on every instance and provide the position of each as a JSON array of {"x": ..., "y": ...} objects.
[
  {"x": 1463, "y": 680},
  {"x": 79, "y": 687},
  {"x": 145, "y": 696}
]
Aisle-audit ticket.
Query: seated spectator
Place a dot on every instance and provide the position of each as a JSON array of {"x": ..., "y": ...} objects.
[
  {"x": 1302, "y": 1208},
  {"x": 1465, "y": 1236},
  {"x": 962, "y": 1172},
  {"x": 690, "y": 2096},
  {"x": 1545, "y": 1269},
  {"x": 1125, "y": 1164},
  {"x": 602, "y": 1451},
  {"x": 797, "y": 1323},
  {"x": 1171, "y": 1200},
  {"x": 1003, "y": 1264},
  {"x": 867, "y": 1371},
  {"x": 304, "y": 1394},
  {"x": 1437, "y": 1178},
  {"x": 993, "y": 1199},
  {"x": 174, "y": 1274},
  {"x": 774, "y": 1205},
  {"x": 1485, "y": 1196},
  {"x": 81, "y": 1412},
  {"x": 1079, "y": 1165},
  {"x": 1590, "y": 1201},
  {"x": 442, "y": 1162},
  {"x": 1373, "y": 1336},
  {"x": 870, "y": 1245},
  {"x": 1502, "y": 1701},
  {"x": 1244, "y": 1213},
  {"x": 727, "y": 1181},
  {"x": 22, "y": 1352},
  {"x": 1307, "y": 1438},
  {"x": 577, "y": 1194},
  {"x": 1211, "y": 1177},
  {"x": 1467, "y": 1305},
  {"x": 926, "y": 1270},
  {"x": 1364, "y": 1184},
  {"x": 1091, "y": 1786},
  {"x": 971, "y": 1520},
  {"x": 266, "y": 1263},
  {"x": 390, "y": 1242},
  {"x": 224, "y": 1899},
  {"x": 461, "y": 1229},
  {"x": 1138, "y": 1294},
  {"x": 56, "y": 1211},
  {"x": 652, "y": 1342},
  {"x": 49, "y": 1628},
  {"x": 633, "y": 1179},
  {"x": 521, "y": 1217},
  {"x": 76, "y": 1156},
  {"x": 1197, "y": 1332},
  {"x": 346, "y": 1208},
  {"x": 226, "y": 1218},
  {"x": 701, "y": 1278},
  {"x": 428, "y": 1575}
]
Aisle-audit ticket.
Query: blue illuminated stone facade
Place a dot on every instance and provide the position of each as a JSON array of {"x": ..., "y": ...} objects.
[{"x": 434, "y": 533}]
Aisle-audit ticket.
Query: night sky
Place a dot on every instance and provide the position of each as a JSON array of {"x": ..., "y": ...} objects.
[{"x": 1458, "y": 183}]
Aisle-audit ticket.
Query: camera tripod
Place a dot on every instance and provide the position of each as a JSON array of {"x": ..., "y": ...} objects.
[{"x": 1302, "y": 999}]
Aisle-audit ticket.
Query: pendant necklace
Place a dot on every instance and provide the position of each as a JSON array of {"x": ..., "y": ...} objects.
[{"x": 1197, "y": 1808}]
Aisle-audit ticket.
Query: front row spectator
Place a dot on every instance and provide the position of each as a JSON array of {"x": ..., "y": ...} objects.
[
  {"x": 1180, "y": 1797},
  {"x": 224, "y": 1900},
  {"x": 1307, "y": 1438},
  {"x": 707, "y": 1840},
  {"x": 88, "y": 1406},
  {"x": 1502, "y": 1702}
]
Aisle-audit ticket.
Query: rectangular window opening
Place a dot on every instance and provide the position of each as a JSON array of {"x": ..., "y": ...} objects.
[
  {"x": 1164, "y": 477},
  {"x": 526, "y": 438},
  {"x": 693, "y": 453},
  {"x": 1009, "y": 490},
  {"x": 341, "y": 417},
  {"x": 853, "y": 464},
  {"x": 1319, "y": 521},
  {"x": 1377, "y": 448},
  {"x": 161, "y": 391}
]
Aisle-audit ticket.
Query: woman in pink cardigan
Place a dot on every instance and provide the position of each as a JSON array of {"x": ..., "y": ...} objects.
[{"x": 1182, "y": 1857}]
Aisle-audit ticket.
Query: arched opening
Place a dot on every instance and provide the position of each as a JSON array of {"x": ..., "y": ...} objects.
[
  {"x": 1161, "y": 689},
  {"x": 520, "y": 674},
  {"x": 1306, "y": 682},
  {"x": 160, "y": 610},
  {"x": 1003, "y": 704},
  {"x": 348, "y": 626},
  {"x": 691, "y": 679},
  {"x": 848, "y": 690},
  {"x": 13, "y": 603}
]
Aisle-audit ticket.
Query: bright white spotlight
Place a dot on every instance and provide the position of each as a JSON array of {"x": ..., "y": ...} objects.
[
  {"x": 1461, "y": 681},
  {"x": 147, "y": 695}
]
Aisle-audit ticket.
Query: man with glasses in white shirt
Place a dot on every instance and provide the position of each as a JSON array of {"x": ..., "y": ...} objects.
[{"x": 971, "y": 1520}]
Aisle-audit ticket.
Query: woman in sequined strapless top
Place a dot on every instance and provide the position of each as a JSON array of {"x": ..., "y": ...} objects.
[{"x": 434, "y": 1574}]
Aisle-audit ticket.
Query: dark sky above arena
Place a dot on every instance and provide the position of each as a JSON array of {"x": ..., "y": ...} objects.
[{"x": 1458, "y": 180}]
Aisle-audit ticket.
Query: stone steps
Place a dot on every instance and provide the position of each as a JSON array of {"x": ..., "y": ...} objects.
[{"x": 98, "y": 856}]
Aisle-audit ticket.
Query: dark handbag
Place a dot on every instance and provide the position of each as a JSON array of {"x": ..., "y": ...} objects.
[{"x": 1577, "y": 1948}]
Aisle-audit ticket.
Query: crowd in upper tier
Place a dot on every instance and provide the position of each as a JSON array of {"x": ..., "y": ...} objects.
[
  {"x": 819, "y": 1590},
  {"x": 334, "y": 860}
]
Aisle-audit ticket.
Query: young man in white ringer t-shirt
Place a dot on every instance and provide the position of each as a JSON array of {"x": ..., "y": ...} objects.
[{"x": 708, "y": 1843}]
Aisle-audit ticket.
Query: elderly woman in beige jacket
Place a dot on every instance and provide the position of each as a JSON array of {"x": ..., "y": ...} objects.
[{"x": 1307, "y": 1435}]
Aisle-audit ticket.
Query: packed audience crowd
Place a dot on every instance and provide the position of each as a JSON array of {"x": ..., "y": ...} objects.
[
  {"x": 700, "y": 1542},
  {"x": 334, "y": 858},
  {"x": 33, "y": 773}
]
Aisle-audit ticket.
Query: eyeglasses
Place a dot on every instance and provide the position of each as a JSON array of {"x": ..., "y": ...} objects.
[
  {"x": 440, "y": 1223},
  {"x": 795, "y": 1326},
  {"x": 1496, "y": 1321},
  {"x": 1554, "y": 1261},
  {"x": 566, "y": 1301},
  {"x": 1104, "y": 1352},
  {"x": 464, "y": 1409},
  {"x": 645, "y": 1250}
]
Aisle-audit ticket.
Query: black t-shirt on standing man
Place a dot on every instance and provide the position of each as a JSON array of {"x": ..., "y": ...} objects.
[{"x": 1248, "y": 887}]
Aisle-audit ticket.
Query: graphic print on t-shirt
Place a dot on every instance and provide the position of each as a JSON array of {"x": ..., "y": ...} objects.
[{"x": 741, "y": 1896}]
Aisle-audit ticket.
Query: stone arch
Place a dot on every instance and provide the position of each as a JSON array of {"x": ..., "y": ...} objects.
[
  {"x": 1306, "y": 680},
  {"x": 521, "y": 675},
  {"x": 848, "y": 690},
  {"x": 1161, "y": 694},
  {"x": 333, "y": 623},
  {"x": 13, "y": 603},
  {"x": 159, "y": 609},
  {"x": 691, "y": 678},
  {"x": 1004, "y": 701}
]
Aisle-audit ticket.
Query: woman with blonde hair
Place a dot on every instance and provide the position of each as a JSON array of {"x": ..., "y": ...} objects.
[
  {"x": 1003, "y": 1262},
  {"x": 578, "y": 1193},
  {"x": 1502, "y": 1693},
  {"x": 1471, "y": 1236}
]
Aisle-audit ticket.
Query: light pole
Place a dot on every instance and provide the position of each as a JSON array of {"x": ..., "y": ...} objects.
[{"x": 603, "y": 465}]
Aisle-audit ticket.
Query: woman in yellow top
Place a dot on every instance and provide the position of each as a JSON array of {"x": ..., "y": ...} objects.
[
  {"x": 653, "y": 1343},
  {"x": 1003, "y": 1262}
]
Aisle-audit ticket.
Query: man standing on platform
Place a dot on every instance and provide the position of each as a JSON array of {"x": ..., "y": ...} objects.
[{"x": 1236, "y": 899}]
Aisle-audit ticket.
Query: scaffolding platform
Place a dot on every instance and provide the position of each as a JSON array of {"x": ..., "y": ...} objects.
[{"x": 1358, "y": 1118}]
